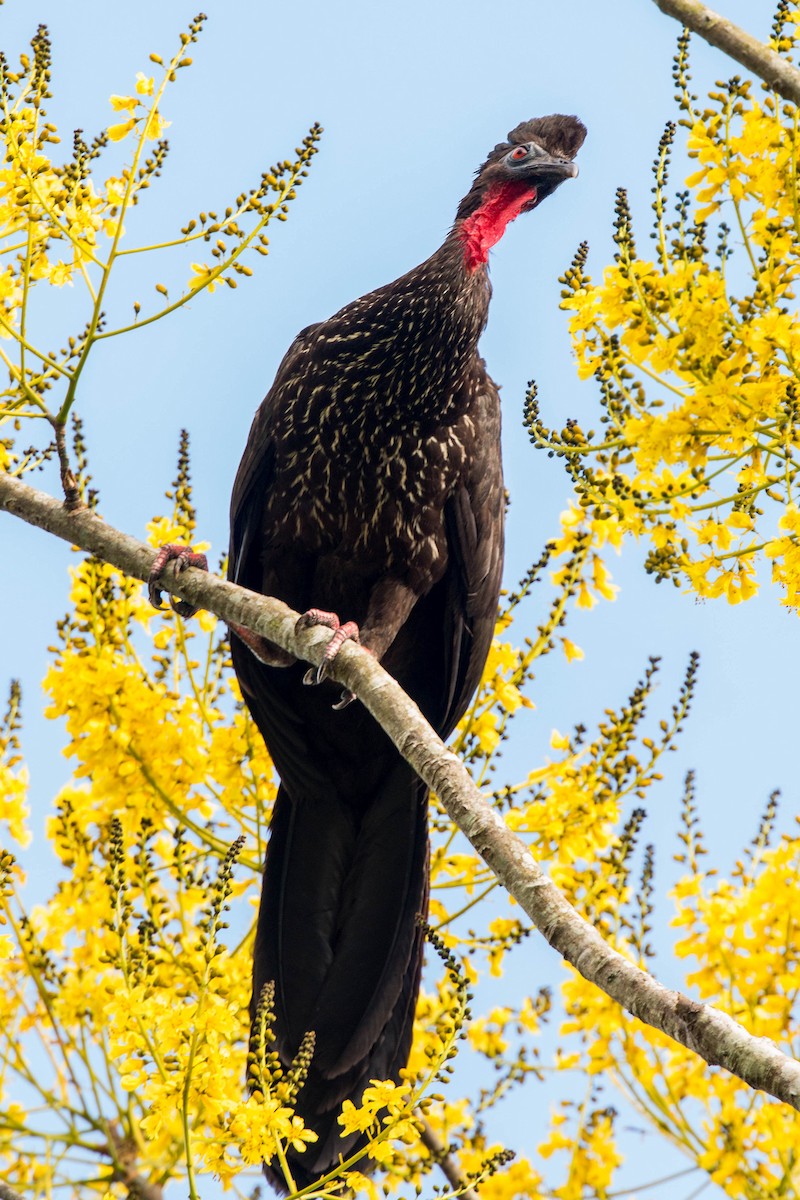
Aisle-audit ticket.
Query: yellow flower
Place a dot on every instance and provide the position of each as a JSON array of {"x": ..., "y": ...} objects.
[
  {"x": 355, "y": 1120},
  {"x": 203, "y": 278},
  {"x": 572, "y": 652},
  {"x": 122, "y": 103},
  {"x": 155, "y": 126},
  {"x": 60, "y": 273},
  {"x": 118, "y": 132}
]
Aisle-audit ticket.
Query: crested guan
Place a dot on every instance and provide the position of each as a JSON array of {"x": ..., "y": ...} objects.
[{"x": 371, "y": 487}]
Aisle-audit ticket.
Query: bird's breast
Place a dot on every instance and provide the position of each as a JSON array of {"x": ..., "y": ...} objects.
[
  {"x": 370, "y": 494},
  {"x": 372, "y": 428}
]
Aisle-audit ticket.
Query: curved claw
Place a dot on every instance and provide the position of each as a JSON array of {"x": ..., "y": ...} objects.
[
  {"x": 182, "y": 556},
  {"x": 315, "y": 675},
  {"x": 341, "y": 634}
]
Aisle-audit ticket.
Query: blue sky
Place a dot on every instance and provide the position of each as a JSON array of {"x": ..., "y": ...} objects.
[{"x": 411, "y": 97}]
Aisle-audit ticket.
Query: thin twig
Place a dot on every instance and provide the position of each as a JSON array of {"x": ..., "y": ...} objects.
[
  {"x": 738, "y": 44},
  {"x": 712, "y": 1034},
  {"x": 72, "y": 496}
]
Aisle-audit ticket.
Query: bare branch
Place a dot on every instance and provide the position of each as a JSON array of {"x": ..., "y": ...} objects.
[
  {"x": 762, "y": 60},
  {"x": 712, "y": 1034},
  {"x": 125, "y": 1154},
  {"x": 449, "y": 1166},
  {"x": 7, "y": 1193}
]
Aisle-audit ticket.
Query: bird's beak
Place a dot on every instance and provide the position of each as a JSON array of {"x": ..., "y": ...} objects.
[
  {"x": 546, "y": 173},
  {"x": 553, "y": 169}
]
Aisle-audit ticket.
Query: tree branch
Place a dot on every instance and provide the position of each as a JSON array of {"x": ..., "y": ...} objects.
[
  {"x": 440, "y": 1154},
  {"x": 762, "y": 60},
  {"x": 712, "y": 1034},
  {"x": 125, "y": 1153}
]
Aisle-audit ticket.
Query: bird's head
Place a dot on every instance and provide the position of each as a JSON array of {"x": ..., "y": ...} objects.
[{"x": 518, "y": 174}]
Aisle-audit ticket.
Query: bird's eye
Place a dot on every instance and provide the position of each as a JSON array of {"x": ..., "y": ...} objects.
[{"x": 520, "y": 152}]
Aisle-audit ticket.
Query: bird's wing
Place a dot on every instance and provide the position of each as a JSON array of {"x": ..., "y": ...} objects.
[
  {"x": 254, "y": 477},
  {"x": 247, "y": 506},
  {"x": 474, "y": 519},
  {"x": 439, "y": 654}
]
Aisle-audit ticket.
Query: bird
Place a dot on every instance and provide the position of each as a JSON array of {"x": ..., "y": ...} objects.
[{"x": 370, "y": 498}]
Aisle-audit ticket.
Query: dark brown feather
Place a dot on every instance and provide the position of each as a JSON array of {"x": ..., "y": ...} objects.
[{"x": 560, "y": 135}]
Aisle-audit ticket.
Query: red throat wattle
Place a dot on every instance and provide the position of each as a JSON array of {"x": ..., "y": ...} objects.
[{"x": 484, "y": 228}]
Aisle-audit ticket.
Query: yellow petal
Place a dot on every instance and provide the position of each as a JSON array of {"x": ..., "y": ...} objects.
[
  {"x": 118, "y": 132},
  {"x": 573, "y": 652},
  {"x": 121, "y": 103}
]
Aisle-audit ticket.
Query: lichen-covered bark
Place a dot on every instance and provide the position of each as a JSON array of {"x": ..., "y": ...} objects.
[{"x": 738, "y": 44}]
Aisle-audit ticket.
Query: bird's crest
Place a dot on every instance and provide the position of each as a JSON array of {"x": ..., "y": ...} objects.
[{"x": 559, "y": 135}]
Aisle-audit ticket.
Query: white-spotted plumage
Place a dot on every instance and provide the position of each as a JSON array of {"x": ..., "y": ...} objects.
[{"x": 371, "y": 487}]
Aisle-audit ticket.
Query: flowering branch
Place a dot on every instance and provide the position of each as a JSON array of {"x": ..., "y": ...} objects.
[
  {"x": 712, "y": 1034},
  {"x": 66, "y": 207},
  {"x": 762, "y": 60}
]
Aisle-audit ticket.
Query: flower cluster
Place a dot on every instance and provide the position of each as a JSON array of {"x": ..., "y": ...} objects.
[
  {"x": 695, "y": 350},
  {"x": 739, "y": 935},
  {"x": 62, "y": 224}
]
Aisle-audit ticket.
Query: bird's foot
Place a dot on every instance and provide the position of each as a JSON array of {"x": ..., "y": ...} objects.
[
  {"x": 342, "y": 633},
  {"x": 182, "y": 557},
  {"x": 265, "y": 651}
]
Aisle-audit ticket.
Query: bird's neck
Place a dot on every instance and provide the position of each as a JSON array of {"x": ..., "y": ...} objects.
[{"x": 483, "y": 228}]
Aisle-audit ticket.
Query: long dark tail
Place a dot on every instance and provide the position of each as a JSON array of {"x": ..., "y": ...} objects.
[{"x": 338, "y": 934}]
